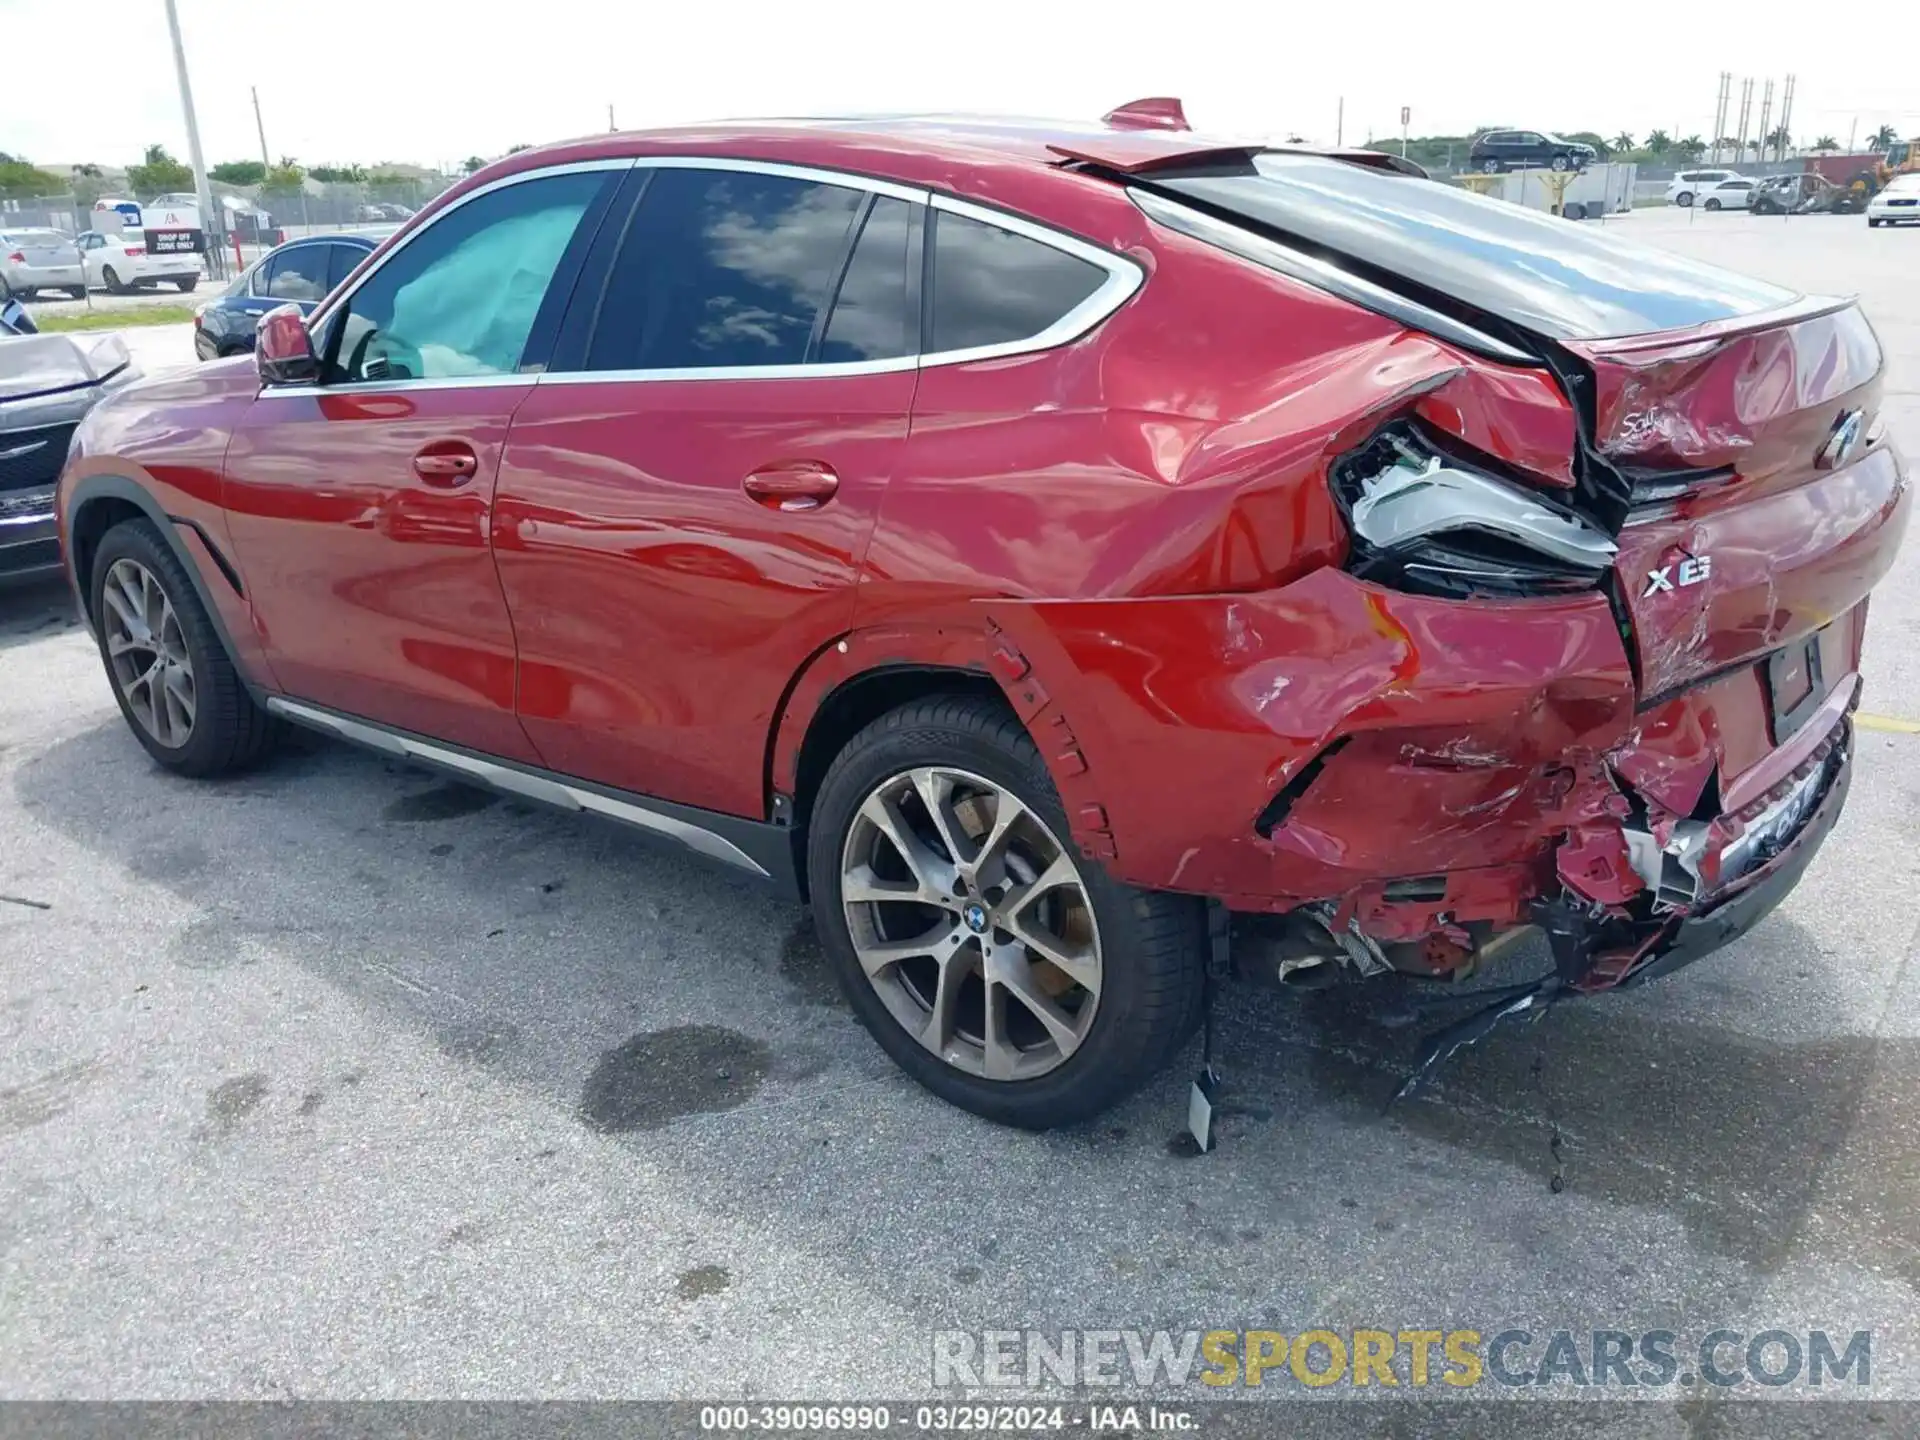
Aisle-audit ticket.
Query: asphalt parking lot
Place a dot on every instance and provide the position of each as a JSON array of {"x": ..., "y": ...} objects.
[{"x": 340, "y": 1080}]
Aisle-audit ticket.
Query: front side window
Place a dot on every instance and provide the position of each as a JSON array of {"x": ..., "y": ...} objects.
[
  {"x": 296, "y": 274},
  {"x": 461, "y": 298},
  {"x": 993, "y": 287},
  {"x": 727, "y": 268}
]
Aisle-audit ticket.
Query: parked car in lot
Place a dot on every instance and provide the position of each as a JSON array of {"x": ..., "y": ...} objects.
[
  {"x": 1897, "y": 204},
  {"x": 1499, "y": 150},
  {"x": 36, "y": 260},
  {"x": 1023, "y": 543},
  {"x": 1687, "y": 186},
  {"x": 301, "y": 272},
  {"x": 47, "y": 382},
  {"x": 122, "y": 264},
  {"x": 1806, "y": 194},
  {"x": 1734, "y": 194}
]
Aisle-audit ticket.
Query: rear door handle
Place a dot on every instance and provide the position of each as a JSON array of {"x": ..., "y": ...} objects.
[
  {"x": 792, "y": 485},
  {"x": 446, "y": 465}
]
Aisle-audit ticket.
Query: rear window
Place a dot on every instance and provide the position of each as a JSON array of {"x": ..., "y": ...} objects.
[
  {"x": 35, "y": 237},
  {"x": 1564, "y": 281}
]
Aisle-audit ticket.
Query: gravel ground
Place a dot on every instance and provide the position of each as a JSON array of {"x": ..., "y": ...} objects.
[{"x": 342, "y": 1081}]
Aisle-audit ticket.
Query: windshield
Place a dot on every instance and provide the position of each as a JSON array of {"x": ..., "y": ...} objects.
[{"x": 1564, "y": 281}]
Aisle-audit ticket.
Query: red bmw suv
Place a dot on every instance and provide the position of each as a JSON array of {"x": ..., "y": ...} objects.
[{"x": 1079, "y": 561}]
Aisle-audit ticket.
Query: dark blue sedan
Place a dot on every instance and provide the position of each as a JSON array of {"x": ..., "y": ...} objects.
[{"x": 302, "y": 271}]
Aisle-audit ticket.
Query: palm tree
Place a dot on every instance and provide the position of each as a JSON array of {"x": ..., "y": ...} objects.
[
  {"x": 1622, "y": 141},
  {"x": 1778, "y": 139},
  {"x": 1689, "y": 149},
  {"x": 1882, "y": 138},
  {"x": 1826, "y": 143},
  {"x": 1658, "y": 143}
]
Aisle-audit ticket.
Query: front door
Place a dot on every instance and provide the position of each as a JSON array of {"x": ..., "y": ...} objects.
[
  {"x": 360, "y": 506},
  {"x": 685, "y": 500}
]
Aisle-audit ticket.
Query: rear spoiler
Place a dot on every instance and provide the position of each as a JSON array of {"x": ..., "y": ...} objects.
[{"x": 1153, "y": 134}]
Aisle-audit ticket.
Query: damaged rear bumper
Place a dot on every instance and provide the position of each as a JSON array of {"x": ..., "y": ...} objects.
[{"x": 1748, "y": 900}]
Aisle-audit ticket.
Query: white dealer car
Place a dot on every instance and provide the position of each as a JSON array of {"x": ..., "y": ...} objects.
[
  {"x": 1688, "y": 184},
  {"x": 1736, "y": 194},
  {"x": 1899, "y": 201},
  {"x": 120, "y": 263}
]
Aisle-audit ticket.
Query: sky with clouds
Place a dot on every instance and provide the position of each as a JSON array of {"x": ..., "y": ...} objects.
[{"x": 432, "y": 81}]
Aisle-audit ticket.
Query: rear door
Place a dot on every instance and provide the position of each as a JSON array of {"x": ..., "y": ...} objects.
[
  {"x": 360, "y": 506},
  {"x": 686, "y": 496}
]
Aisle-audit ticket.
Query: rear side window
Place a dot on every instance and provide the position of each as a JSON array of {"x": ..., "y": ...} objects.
[
  {"x": 993, "y": 287},
  {"x": 729, "y": 268},
  {"x": 296, "y": 274},
  {"x": 341, "y": 262},
  {"x": 461, "y": 298},
  {"x": 871, "y": 317}
]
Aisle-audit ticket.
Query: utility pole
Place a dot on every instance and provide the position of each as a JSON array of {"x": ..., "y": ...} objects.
[
  {"x": 1746, "y": 110},
  {"x": 1720, "y": 113},
  {"x": 260, "y": 126},
  {"x": 1766, "y": 109},
  {"x": 1852, "y": 130},
  {"x": 1406, "y": 114},
  {"x": 1340, "y": 123},
  {"x": 203, "y": 192},
  {"x": 611, "y": 127},
  {"x": 1786, "y": 117}
]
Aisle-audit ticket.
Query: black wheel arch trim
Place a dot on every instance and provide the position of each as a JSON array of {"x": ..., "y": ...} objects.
[{"x": 118, "y": 487}]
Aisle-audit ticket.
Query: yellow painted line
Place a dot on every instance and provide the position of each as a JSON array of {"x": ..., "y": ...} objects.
[{"x": 1887, "y": 723}]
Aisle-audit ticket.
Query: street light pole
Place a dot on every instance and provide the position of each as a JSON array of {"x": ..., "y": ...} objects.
[
  {"x": 202, "y": 190},
  {"x": 260, "y": 126}
]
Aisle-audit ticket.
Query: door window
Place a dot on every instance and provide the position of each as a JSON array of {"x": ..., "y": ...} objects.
[
  {"x": 729, "y": 268},
  {"x": 340, "y": 262},
  {"x": 993, "y": 287},
  {"x": 461, "y": 298},
  {"x": 871, "y": 317},
  {"x": 296, "y": 274}
]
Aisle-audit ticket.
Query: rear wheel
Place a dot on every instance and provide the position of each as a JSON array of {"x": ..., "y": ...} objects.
[
  {"x": 111, "y": 278},
  {"x": 1713, "y": 204},
  {"x": 187, "y": 285},
  {"x": 999, "y": 968},
  {"x": 170, "y": 672},
  {"x": 77, "y": 292}
]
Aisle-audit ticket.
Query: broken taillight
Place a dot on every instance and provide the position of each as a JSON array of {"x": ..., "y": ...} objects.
[{"x": 1423, "y": 516}]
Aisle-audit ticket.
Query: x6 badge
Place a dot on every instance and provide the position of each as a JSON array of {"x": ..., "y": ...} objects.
[{"x": 1691, "y": 571}]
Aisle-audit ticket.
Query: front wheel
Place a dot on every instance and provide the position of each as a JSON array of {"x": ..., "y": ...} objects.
[
  {"x": 76, "y": 292},
  {"x": 170, "y": 672},
  {"x": 111, "y": 278},
  {"x": 1560, "y": 162},
  {"x": 1490, "y": 166},
  {"x": 1872, "y": 224},
  {"x": 1001, "y": 969}
]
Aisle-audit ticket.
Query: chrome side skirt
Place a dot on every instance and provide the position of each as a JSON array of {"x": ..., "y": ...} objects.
[{"x": 512, "y": 779}]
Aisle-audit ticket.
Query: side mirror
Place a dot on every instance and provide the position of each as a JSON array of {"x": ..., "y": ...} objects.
[{"x": 283, "y": 350}]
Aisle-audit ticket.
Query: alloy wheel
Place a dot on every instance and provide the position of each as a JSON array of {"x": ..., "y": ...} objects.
[
  {"x": 972, "y": 923},
  {"x": 147, "y": 653}
]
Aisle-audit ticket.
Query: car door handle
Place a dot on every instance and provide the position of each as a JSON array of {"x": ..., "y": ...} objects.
[
  {"x": 447, "y": 468},
  {"x": 792, "y": 485}
]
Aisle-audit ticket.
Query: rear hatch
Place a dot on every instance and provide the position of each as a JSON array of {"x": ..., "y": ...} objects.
[{"x": 1728, "y": 434}]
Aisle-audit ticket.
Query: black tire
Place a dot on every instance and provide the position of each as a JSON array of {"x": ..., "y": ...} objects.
[
  {"x": 1153, "y": 945},
  {"x": 1684, "y": 199},
  {"x": 111, "y": 279},
  {"x": 1490, "y": 165},
  {"x": 229, "y": 732},
  {"x": 186, "y": 286},
  {"x": 1872, "y": 224},
  {"x": 77, "y": 292},
  {"x": 1713, "y": 204}
]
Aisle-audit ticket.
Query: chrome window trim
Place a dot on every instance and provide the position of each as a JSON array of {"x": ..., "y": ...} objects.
[
  {"x": 547, "y": 789},
  {"x": 431, "y": 382},
  {"x": 1124, "y": 279}
]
